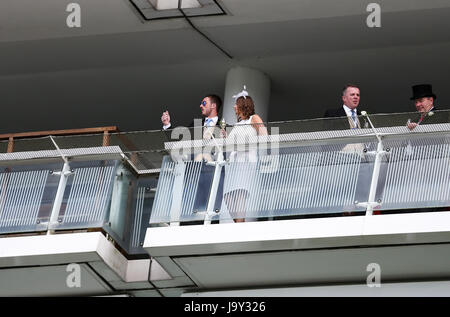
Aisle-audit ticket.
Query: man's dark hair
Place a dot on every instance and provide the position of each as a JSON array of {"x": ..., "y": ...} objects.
[
  {"x": 216, "y": 99},
  {"x": 348, "y": 86}
]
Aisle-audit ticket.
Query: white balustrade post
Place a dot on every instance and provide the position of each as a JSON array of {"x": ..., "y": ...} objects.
[
  {"x": 219, "y": 163},
  {"x": 375, "y": 176},
  {"x": 214, "y": 187},
  {"x": 376, "y": 170},
  {"x": 64, "y": 175},
  {"x": 175, "y": 209}
]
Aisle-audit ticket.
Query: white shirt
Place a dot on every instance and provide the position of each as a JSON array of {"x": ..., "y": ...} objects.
[
  {"x": 211, "y": 123},
  {"x": 348, "y": 111}
]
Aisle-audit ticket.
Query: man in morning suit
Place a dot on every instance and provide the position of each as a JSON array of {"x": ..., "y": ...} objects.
[
  {"x": 424, "y": 98},
  {"x": 348, "y": 110},
  {"x": 209, "y": 107},
  {"x": 350, "y": 99}
]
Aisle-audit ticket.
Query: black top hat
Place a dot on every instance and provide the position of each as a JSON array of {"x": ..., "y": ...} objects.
[{"x": 420, "y": 91}]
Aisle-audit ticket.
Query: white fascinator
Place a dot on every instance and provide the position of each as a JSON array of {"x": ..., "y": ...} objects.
[{"x": 243, "y": 93}]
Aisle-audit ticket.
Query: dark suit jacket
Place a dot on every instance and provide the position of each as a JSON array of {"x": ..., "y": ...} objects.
[
  {"x": 191, "y": 125},
  {"x": 167, "y": 134},
  {"x": 437, "y": 117},
  {"x": 337, "y": 112},
  {"x": 206, "y": 174},
  {"x": 336, "y": 124}
]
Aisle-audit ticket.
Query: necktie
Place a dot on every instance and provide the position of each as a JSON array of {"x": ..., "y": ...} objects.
[
  {"x": 354, "y": 118},
  {"x": 207, "y": 121},
  {"x": 421, "y": 118}
]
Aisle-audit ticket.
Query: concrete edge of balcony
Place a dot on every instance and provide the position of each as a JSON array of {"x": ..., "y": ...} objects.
[
  {"x": 265, "y": 236},
  {"x": 22, "y": 251}
]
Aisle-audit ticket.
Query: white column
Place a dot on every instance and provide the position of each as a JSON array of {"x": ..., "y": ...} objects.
[{"x": 258, "y": 87}]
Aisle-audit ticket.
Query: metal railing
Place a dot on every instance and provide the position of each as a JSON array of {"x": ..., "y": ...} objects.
[
  {"x": 33, "y": 196},
  {"x": 75, "y": 189},
  {"x": 26, "y": 197},
  {"x": 357, "y": 171},
  {"x": 301, "y": 168},
  {"x": 87, "y": 195}
]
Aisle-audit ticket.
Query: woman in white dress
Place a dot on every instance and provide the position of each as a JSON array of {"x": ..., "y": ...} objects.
[{"x": 240, "y": 174}]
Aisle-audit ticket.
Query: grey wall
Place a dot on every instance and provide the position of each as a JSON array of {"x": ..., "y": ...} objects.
[{"x": 128, "y": 79}]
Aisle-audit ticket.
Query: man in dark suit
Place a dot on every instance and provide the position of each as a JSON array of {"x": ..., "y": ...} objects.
[
  {"x": 350, "y": 99},
  {"x": 209, "y": 107},
  {"x": 424, "y": 98},
  {"x": 349, "y": 119}
]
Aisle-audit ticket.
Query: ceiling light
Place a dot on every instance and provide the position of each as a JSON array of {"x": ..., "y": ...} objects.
[
  {"x": 173, "y": 4},
  {"x": 166, "y": 9}
]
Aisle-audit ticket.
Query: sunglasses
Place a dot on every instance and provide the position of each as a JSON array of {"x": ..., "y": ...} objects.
[{"x": 204, "y": 103}]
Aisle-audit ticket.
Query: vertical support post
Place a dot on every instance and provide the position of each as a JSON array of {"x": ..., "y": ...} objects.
[
  {"x": 64, "y": 174},
  {"x": 134, "y": 158},
  {"x": 10, "y": 144},
  {"x": 376, "y": 169},
  {"x": 214, "y": 187},
  {"x": 105, "y": 138},
  {"x": 175, "y": 210},
  {"x": 375, "y": 176}
]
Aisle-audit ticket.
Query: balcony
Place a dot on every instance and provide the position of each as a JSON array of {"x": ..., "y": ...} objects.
[
  {"x": 70, "y": 209},
  {"x": 148, "y": 215},
  {"x": 324, "y": 206}
]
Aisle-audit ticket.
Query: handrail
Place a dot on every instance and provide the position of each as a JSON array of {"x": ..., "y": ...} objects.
[
  {"x": 105, "y": 130},
  {"x": 342, "y": 171}
]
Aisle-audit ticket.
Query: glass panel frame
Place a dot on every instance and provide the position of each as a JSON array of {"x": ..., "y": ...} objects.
[
  {"x": 416, "y": 175},
  {"x": 183, "y": 191},
  {"x": 27, "y": 194},
  {"x": 87, "y": 196}
]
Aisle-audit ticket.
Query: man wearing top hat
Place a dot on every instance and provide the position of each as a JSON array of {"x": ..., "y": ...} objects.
[{"x": 424, "y": 98}]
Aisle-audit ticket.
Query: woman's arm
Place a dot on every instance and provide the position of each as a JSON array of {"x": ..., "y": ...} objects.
[{"x": 258, "y": 124}]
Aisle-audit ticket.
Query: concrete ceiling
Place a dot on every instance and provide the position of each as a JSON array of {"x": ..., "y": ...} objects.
[
  {"x": 315, "y": 267},
  {"x": 50, "y": 281},
  {"x": 119, "y": 70}
]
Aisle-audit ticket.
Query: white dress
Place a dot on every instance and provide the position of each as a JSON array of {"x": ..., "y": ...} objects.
[{"x": 241, "y": 172}]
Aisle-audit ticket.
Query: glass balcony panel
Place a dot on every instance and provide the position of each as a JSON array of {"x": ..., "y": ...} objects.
[
  {"x": 27, "y": 193},
  {"x": 131, "y": 204},
  {"x": 299, "y": 181},
  {"x": 183, "y": 191},
  {"x": 87, "y": 196},
  {"x": 30, "y": 144},
  {"x": 396, "y": 122},
  {"x": 143, "y": 199},
  {"x": 4, "y": 146},
  {"x": 120, "y": 211},
  {"x": 417, "y": 173},
  {"x": 289, "y": 181}
]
